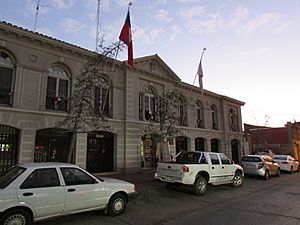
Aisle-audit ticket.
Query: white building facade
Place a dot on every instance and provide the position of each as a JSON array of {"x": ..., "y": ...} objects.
[{"x": 36, "y": 82}]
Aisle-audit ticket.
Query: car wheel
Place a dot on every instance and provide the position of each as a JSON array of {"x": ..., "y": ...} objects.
[
  {"x": 200, "y": 186},
  {"x": 298, "y": 168},
  {"x": 267, "y": 175},
  {"x": 291, "y": 170},
  {"x": 16, "y": 217},
  {"x": 237, "y": 180},
  {"x": 117, "y": 205}
]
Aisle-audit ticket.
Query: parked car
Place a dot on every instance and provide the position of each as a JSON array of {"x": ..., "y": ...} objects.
[
  {"x": 287, "y": 163},
  {"x": 197, "y": 169},
  {"x": 36, "y": 191},
  {"x": 261, "y": 165}
]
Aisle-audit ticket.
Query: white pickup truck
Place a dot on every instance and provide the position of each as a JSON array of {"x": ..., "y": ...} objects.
[{"x": 198, "y": 169}]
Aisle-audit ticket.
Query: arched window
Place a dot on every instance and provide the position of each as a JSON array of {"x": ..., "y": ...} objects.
[
  {"x": 214, "y": 117},
  {"x": 233, "y": 120},
  {"x": 6, "y": 78},
  {"x": 147, "y": 104},
  {"x": 200, "y": 115},
  {"x": 102, "y": 96},
  {"x": 57, "y": 88},
  {"x": 181, "y": 112}
]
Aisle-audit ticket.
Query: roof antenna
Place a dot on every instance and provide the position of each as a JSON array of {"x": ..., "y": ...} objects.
[{"x": 37, "y": 13}]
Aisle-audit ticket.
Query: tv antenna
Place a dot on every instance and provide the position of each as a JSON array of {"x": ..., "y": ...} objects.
[{"x": 37, "y": 13}]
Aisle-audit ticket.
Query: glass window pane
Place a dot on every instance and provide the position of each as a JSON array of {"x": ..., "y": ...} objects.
[
  {"x": 6, "y": 75},
  {"x": 74, "y": 176}
]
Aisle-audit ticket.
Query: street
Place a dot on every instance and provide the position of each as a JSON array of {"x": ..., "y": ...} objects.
[{"x": 275, "y": 201}]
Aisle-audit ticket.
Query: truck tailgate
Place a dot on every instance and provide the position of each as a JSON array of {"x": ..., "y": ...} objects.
[{"x": 170, "y": 172}]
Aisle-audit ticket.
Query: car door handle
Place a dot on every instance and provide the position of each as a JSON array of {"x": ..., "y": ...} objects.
[
  {"x": 27, "y": 194},
  {"x": 71, "y": 190}
]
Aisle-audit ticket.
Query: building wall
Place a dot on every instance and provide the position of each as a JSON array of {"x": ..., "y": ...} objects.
[{"x": 34, "y": 53}]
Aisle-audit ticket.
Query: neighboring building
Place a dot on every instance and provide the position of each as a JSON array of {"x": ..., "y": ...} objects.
[
  {"x": 279, "y": 140},
  {"x": 36, "y": 78}
]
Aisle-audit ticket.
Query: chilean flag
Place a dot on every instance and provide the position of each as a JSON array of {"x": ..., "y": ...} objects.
[{"x": 126, "y": 37}]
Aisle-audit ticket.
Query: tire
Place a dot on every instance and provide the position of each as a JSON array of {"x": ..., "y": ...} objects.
[
  {"x": 291, "y": 170},
  {"x": 117, "y": 205},
  {"x": 278, "y": 173},
  {"x": 16, "y": 216},
  {"x": 237, "y": 180},
  {"x": 267, "y": 175},
  {"x": 200, "y": 186}
]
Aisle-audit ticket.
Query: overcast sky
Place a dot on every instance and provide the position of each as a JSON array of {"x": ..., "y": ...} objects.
[{"x": 252, "y": 45}]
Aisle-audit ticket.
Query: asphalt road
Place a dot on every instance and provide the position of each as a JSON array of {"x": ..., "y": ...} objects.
[{"x": 258, "y": 202}]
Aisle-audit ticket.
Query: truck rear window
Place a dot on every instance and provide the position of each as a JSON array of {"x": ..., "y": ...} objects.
[
  {"x": 251, "y": 159},
  {"x": 190, "y": 158}
]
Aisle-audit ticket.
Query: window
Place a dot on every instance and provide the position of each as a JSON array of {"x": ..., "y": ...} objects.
[
  {"x": 250, "y": 159},
  {"x": 214, "y": 117},
  {"x": 74, "y": 176},
  {"x": 57, "y": 88},
  {"x": 181, "y": 113},
  {"x": 147, "y": 105},
  {"x": 233, "y": 120},
  {"x": 10, "y": 176},
  {"x": 102, "y": 97},
  {"x": 41, "y": 178},
  {"x": 214, "y": 159},
  {"x": 224, "y": 159},
  {"x": 6, "y": 78},
  {"x": 190, "y": 158},
  {"x": 200, "y": 119}
]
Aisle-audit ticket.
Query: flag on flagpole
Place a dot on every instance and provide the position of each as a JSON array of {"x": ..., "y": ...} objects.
[
  {"x": 126, "y": 37},
  {"x": 200, "y": 76},
  {"x": 200, "y": 73}
]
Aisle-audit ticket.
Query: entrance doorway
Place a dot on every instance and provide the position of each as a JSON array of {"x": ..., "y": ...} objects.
[
  {"x": 100, "y": 152},
  {"x": 235, "y": 150},
  {"x": 214, "y": 145},
  {"x": 52, "y": 145},
  {"x": 9, "y": 147},
  {"x": 199, "y": 144},
  {"x": 181, "y": 144}
]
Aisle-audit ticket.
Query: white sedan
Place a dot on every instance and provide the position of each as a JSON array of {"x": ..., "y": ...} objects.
[
  {"x": 36, "y": 191},
  {"x": 287, "y": 163}
]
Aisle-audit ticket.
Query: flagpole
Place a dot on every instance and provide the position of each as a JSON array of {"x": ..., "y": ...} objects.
[
  {"x": 200, "y": 73},
  {"x": 119, "y": 43}
]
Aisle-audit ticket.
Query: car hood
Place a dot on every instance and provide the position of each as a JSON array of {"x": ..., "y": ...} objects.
[{"x": 109, "y": 180}]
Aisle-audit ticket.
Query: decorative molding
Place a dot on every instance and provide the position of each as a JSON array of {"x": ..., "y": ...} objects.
[{"x": 33, "y": 58}]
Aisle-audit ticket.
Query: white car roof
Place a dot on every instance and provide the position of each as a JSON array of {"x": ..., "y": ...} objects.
[{"x": 45, "y": 164}]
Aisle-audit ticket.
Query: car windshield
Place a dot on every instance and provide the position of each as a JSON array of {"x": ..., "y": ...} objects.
[
  {"x": 10, "y": 176},
  {"x": 251, "y": 159},
  {"x": 280, "y": 157}
]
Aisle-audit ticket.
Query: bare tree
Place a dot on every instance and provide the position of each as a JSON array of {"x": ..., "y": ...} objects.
[
  {"x": 171, "y": 113},
  {"x": 89, "y": 105}
]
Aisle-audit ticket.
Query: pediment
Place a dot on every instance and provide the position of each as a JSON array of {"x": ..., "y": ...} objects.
[{"x": 155, "y": 65}]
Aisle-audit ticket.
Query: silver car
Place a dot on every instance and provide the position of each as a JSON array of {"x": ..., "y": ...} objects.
[{"x": 261, "y": 165}]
